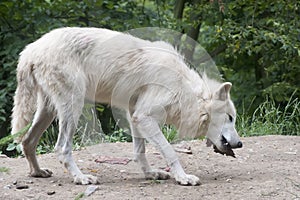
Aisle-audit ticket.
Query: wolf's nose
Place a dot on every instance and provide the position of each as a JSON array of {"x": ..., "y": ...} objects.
[{"x": 239, "y": 144}]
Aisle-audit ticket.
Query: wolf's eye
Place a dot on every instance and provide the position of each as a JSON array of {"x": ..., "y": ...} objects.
[{"x": 230, "y": 118}]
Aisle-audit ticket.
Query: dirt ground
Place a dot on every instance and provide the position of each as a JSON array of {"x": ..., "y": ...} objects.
[{"x": 266, "y": 167}]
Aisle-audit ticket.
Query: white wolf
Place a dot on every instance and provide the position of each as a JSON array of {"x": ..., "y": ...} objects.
[{"x": 149, "y": 80}]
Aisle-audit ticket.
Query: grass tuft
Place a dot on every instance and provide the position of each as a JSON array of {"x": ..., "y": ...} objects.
[
  {"x": 4, "y": 169},
  {"x": 270, "y": 118}
]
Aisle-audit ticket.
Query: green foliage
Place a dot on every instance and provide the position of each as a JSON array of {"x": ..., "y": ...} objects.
[
  {"x": 48, "y": 139},
  {"x": 79, "y": 196},
  {"x": 118, "y": 135},
  {"x": 270, "y": 118},
  {"x": 170, "y": 133},
  {"x": 4, "y": 170},
  {"x": 263, "y": 48},
  {"x": 8, "y": 140}
]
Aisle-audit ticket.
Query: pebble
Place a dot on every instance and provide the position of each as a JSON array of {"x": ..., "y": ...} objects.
[
  {"x": 21, "y": 187},
  {"x": 228, "y": 180},
  {"x": 51, "y": 192},
  {"x": 7, "y": 187}
]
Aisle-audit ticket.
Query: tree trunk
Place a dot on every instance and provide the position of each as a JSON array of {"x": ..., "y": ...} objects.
[
  {"x": 178, "y": 10},
  {"x": 192, "y": 32}
]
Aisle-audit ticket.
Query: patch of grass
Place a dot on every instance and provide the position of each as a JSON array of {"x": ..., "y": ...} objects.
[
  {"x": 118, "y": 136},
  {"x": 170, "y": 133},
  {"x": 48, "y": 139},
  {"x": 9, "y": 139},
  {"x": 4, "y": 169},
  {"x": 10, "y": 145},
  {"x": 79, "y": 196},
  {"x": 270, "y": 118}
]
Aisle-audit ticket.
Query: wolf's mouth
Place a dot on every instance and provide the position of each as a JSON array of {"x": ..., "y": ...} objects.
[{"x": 226, "y": 148}]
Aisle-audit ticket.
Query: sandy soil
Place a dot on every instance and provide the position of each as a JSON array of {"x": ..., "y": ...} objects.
[{"x": 265, "y": 168}]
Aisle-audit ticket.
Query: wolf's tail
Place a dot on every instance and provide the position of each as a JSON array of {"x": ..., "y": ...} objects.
[{"x": 25, "y": 97}]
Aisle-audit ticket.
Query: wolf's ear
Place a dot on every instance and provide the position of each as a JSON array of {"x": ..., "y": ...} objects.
[{"x": 223, "y": 92}]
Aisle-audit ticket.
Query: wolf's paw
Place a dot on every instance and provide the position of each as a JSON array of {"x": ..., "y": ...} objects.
[
  {"x": 85, "y": 179},
  {"x": 44, "y": 173},
  {"x": 188, "y": 180},
  {"x": 157, "y": 175}
]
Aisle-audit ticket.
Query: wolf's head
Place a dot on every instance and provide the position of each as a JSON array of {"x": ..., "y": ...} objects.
[{"x": 221, "y": 131}]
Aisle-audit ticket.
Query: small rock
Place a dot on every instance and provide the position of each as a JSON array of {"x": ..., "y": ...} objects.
[
  {"x": 51, "y": 192},
  {"x": 59, "y": 184},
  {"x": 7, "y": 187},
  {"x": 15, "y": 182},
  {"x": 228, "y": 180},
  {"x": 21, "y": 187},
  {"x": 90, "y": 190}
]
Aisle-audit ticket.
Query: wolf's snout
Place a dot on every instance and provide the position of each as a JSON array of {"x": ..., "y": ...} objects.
[{"x": 239, "y": 144}]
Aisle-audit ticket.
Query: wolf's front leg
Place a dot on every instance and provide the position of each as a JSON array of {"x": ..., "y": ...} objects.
[
  {"x": 181, "y": 177},
  {"x": 149, "y": 128},
  {"x": 176, "y": 169}
]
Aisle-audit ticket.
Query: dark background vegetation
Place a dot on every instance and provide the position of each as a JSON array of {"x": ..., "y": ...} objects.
[{"x": 255, "y": 44}]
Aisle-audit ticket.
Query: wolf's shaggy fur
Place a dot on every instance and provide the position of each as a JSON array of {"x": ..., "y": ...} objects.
[{"x": 149, "y": 80}]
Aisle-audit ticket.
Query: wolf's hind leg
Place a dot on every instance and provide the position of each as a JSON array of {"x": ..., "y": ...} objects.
[{"x": 42, "y": 119}]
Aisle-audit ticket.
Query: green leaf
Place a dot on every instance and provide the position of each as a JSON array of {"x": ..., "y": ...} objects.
[{"x": 11, "y": 147}]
